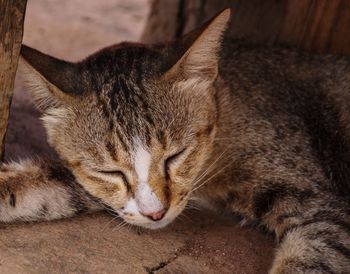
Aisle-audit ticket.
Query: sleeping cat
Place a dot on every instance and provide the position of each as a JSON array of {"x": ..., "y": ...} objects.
[{"x": 142, "y": 129}]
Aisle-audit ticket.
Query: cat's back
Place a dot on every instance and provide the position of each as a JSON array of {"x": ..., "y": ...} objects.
[
  {"x": 279, "y": 67},
  {"x": 282, "y": 81},
  {"x": 289, "y": 97}
]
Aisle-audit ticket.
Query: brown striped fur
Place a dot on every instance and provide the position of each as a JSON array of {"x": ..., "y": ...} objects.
[{"x": 262, "y": 132}]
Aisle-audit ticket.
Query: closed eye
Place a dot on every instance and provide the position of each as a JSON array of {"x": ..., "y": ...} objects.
[
  {"x": 171, "y": 160},
  {"x": 117, "y": 173},
  {"x": 112, "y": 172}
]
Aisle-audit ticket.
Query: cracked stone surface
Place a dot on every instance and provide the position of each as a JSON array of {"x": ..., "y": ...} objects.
[{"x": 95, "y": 243}]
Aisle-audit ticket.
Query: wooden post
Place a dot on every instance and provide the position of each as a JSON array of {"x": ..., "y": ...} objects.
[
  {"x": 11, "y": 33},
  {"x": 313, "y": 25}
]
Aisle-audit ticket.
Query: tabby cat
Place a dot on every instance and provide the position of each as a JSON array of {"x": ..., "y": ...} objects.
[{"x": 142, "y": 129}]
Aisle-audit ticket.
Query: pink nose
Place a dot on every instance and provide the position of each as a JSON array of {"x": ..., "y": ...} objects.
[{"x": 156, "y": 216}]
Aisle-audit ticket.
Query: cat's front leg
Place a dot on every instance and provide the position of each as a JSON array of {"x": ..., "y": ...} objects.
[
  {"x": 319, "y": 245},
  {"x": 39, "y": 190}
]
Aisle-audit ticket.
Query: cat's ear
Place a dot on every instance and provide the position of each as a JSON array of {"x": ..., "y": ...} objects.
[
  {"x": 53, "y": 82},
  {"x": 199, "y": 50}
]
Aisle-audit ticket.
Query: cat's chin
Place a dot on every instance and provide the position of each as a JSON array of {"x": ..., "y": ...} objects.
[
  {"x": 156, "y": 225},
  {"x": 140, "y": 220},
  {"x": 151, "y": 225}
]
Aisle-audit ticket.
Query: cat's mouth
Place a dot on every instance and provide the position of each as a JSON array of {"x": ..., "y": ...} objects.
[
  {"x": 142, "y": 221},
  {"x": 138, "y": 219}
]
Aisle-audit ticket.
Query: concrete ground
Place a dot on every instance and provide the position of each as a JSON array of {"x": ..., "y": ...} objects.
[{"x": 97, "y": 243}]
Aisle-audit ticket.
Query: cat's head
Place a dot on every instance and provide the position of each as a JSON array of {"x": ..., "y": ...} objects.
[{"x": 134, "y": 122}]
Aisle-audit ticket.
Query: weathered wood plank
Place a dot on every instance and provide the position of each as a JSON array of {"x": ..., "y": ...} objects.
[
  {"x": 11, "y": 32},
  {"x": 313, "y": 25}
]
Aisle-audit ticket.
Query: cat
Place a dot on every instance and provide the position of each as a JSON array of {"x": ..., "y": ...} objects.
[{"x": 140, "y": 130}]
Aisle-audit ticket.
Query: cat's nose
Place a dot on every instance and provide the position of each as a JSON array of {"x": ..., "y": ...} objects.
[{"x": 156, "y": 216}]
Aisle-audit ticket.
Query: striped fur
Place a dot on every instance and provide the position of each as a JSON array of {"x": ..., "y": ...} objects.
[
  {"x": 262, "y": 132},
  {"x": 38, "y": 190}
]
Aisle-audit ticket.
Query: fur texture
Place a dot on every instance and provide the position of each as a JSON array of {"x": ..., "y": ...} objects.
[{"x": 260, "y": 132}]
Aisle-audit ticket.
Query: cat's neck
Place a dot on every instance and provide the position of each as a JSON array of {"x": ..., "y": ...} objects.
[
  {"x": 222, "y": 148},
  {"x": 226, "y": 106}
]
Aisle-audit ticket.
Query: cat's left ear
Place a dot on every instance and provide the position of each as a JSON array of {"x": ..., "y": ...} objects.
[
  {"x": 201, "y": 56},
  {"x": 53, "y": 82}
]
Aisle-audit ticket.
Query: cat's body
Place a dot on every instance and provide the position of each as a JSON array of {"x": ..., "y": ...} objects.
[
  {"x": 267, "y": 138},
  {"x": 284, "y": 129}
]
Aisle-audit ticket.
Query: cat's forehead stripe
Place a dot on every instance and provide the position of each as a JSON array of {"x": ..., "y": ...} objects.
[
  {"x": 142, "y": 160},
  {"x": 146, "y": 199}
]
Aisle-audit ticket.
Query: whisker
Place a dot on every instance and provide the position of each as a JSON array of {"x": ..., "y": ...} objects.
[
  {"x": 119, "y": 226},
  {"x": 138, "y": 230},
  {"x": 210, "y": 166},
  {"x": 170, "y": 124},
  {"x": 113, "y": 219},
  {"x": 192, "y": 207},
  {"x": 208, "y": 179},
  {"x": 193, "y": 199},
  {"x": 129, "y": 226},
  {"x": 113, "y": 213},
  {"x": 108, "y": 209}
]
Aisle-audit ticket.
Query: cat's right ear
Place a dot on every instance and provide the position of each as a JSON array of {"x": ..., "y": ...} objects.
[
  {"x": 53, "y": 82},
  {"x": 196, "y": 54}
]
